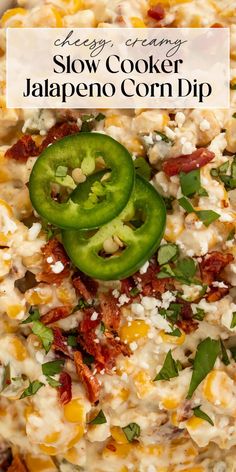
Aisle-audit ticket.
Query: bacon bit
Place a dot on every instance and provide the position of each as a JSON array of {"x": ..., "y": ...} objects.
[
  {"x": 56, "y": 314},
  {"x": 65, "y": 390},
  {"x": 216, "y": 294},
  {"x": 54, "y": 249},
  {"x": 60, "y": 342},
  {"x": 186, "y": 323},
  {"x": 217, "y": 25},
  {"x": 85, "y": 285},
  {"x": 149, "y": 282},
  {"x": 87, "y": 324},
  {"x": 212, "y": 265},
  {"x": 17, "y": 465},
  {"x": 59, "y": 131},
  {"x": 188, "y": 162},
  {"x": 110, "y": 311},
  {"x": 157, "y": 12},
  {"x": 88, "y": 379},
  {"x": 107, "y": 349},
  {"x": 24, "y": 148},
  {"x": 127, "y": 285},
  {"x": 111, "y": 447}
]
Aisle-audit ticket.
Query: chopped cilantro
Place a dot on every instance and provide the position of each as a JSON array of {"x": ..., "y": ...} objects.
[
  {"x": 53, "y": 367},
  {"x": 233, "y": 322},
  {"x": 164, "y": 137},
  {"x": 206, "y": 216},
  {"x": 100, "y": 117},
  {"x": 224, "y": 356},
  {"x": 200, "y": 414},
  {"x": 204, "y": 361},
  {"x": 34, "y": 315},
  {"x": 32, "y": 389},
  {"x": 132, "y": 431},
  {"x": 44, "y": 333},
  {"x": 167, "y": 253},
  {"x": 200, "y": 314},
  {"x": 169, "y": 369},
  {"x": 99, "y": 419},
  {"x": 53, "y": 382},
  {"x": 72, "y": 340}
]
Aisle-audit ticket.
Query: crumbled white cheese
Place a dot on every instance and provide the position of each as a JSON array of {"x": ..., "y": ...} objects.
[
  {"x": 148, "y": 140},
  {"x": 94, "y": 316},
  {"x": 180, "y": 118},
  {"x": 133, "y": 346},
  {"x": 123, "y": 299},
  {"x": 34, "y": 231},
  {"x": 49, "y": 259},
  {"x": 137, "y": 309},
  {"x": 6, "y": 257},
  {"x": 39, "y": 357},
  {"x": 219, "y": 284},
  {"x": 205, "y": 125},
  {"x": 144, "y": 268},
  {"x": 149, "y": 303},
  {"x": 167, "y": 298},
  {"x": 115, "y": 293},
  {"x": 57, "y": 268},
  {"x": 225, "y": 217},
  {"x": 188, "y": 148},
  {"x": 170, "y": 133}
]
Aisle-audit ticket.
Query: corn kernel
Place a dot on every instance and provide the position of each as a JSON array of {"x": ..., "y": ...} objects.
[
  {"x": 52, "y": 438},
  {"x": 36, "y": 298},
  {"x": 18, "y": 349},
  {"x": 167, "y": 338},
  {"x": 143, "y": 383},
  {"x": 152, "y": 450},
  {"x": 49, "y": 450},
  {"x": 118, "y": 435},
  {"x": 58, "y": 17},
  {"x": 194, "y": 422},
  {"x": 74, "y": 411},
  {"x": 64, "y": 295},
  {"x": 7, "y": 206},
  {"x": 218, "y": 387},
  {"x": 170, "y": 403},
  {"x": 196, "y": 21},
  {"x": 39, "y": 464},
  {"x": 10, "y": 14},
  {"x": 113, "y": 120},
  {"x": 174, "y": 228},
  {"x": 174, "y": 419},
  {"x": 135, "y": 145},
  {"x": 194, "y": 469},
  {"x": 116, "y": 450},
  {"x": 137, "y": 22},
  {"x": 72, "y": 456},
  {"x": 14, "y": 310},
  {"x": 79, "y": 434},
  {"x": 134, "y": 330}
]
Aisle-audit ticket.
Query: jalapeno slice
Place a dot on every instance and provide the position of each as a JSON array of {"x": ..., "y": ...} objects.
[
  {"x": 139, "y": 227},
  {"x": 85, "y": 151}
]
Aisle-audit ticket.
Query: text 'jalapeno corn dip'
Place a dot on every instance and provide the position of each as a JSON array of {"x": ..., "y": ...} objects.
[{"x": 117, "y": 270}]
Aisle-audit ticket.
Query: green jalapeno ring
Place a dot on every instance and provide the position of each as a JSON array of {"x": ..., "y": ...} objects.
[
  {"x": 72, "y": 152},
  {"x": 141, "y": 243}
]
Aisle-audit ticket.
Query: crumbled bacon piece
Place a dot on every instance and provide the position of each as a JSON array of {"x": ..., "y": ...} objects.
[
  {"x": 105, "y": 350},
  {"x": 88, "y": 379},
  {"x": 216, "y": 293},
  {"x": 212, "y": 265},
  {"x": 17, "y": 465},
  {"x": 65, "y": 389},
  {"x": 127, "y": 285},
  {"x": 56, "y": 314},
  {"x": 186, "y": 322},
  {"x": 85, "y": 285},
  {"x": 188, "y": 162},
  {"x": 149, "y": 282},
  {"x": 110, "y": 311},
  {"x": 24, "y": 148},
  {"x": 217, "y": 25},
  {"x": 59, "y": 131},
  {"x": 60, "y": 342},
  {"x": 156, "y": 12},
  {"x": 53, "y": 252}
]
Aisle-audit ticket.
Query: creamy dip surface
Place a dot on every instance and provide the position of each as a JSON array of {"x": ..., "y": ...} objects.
[{"x": 45, "y": 434}]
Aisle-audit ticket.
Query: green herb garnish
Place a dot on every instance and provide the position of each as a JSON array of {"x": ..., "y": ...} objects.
[
  {"x": 34, "y": 316},
  {"x": 206, "y": 216},
  {"x": 200, "y": 414},
  {"x": 233, "y": 322},
  {"x": 53, "y": 367},
  {"x": 45, "y": 334},
  {"x": 132, "y": 431},
  {"x": 204, "y": 361},
  {"x": 169, "y": 369},
  {"x": 167, "y": 253},
  {"x": 32, "y": 389},
  {"x": 99, "y": 419},
  {"x": 224, "y": 356},
  {"x": 164, "y": 137}
]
